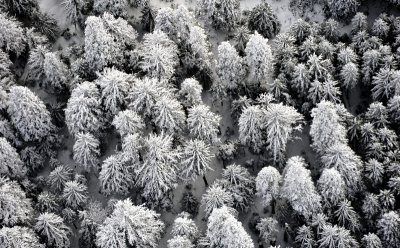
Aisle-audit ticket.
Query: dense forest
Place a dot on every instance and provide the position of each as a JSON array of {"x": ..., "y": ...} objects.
[{"x": 199, "y": 123}]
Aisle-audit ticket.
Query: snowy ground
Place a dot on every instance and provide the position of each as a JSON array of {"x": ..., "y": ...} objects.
[{"x": 299, "y": 146}]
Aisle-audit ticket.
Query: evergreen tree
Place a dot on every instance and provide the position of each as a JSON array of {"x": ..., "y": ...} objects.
[
  {"x": 202, "y": 123},
  {"x": 75, "y": 194},
  {"x": 268, "y": 184},
  {"x": 223, "y": 230},
  {"x": 222, "y": 14},
  {"x": 298, "y": 188},
  {"x": 250, "y": 127},
  {"x": 28, "y": 114},
  {"x": 168, "y": 115},
  {"x": 128, "y": 122},
  {"x": 115, "y": 175},
  {"x": 349, "y": 75},
  {"x": 12, "y": 35},
  {"x": 263, "y": 20},
  {"x": 374, "y": 171},
  {"x": 335, "y": 236},
  {"x": 347, "y": 216},
  {"x": 190, "y": 92},
  {"x": 388, "y": 229},
  {"x": 59, "y": 176},
  {"x": 130, "y": 225},
  {"x": 380, "y": 28},
  {"x": 56, "y": 72},
  {"x": 216, "y": 197},
  {"x": 331, "y": 187},
  {"x": 371, "y": 240},
  {"x": 184, "y": 226},
  {"x": 359, "y": 22},
  {"x": 198, "y": 53},
  {"x": 268, "y": 229},
  {"x": 52, "y": 228},
  {"x": 91, "y": 219},
  {"x": 195, "y": 159},
  {"x": 10, "y": 162},
  {"x": 35, "y": 64},
  {"x": 114, "y": 7},
  {"x": 19, "y": 237},
  {"x": 305, "y": 237},
  {"x": 342, "y": 8},
  {"x": 7, "y": 77},
  {"x": 86, "y": 150},
  {"x": 47, "y": 202}
]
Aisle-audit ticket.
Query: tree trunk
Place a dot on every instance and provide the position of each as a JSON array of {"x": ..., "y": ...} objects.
[{"x": 205, "y": 180}]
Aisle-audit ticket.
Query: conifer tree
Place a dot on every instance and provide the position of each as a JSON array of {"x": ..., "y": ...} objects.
[
  {"x": 250, "y": 127},
  {"x": 12, "y": 35},
  {"x": 203, "y": 124},
  {"x": 268, "y": 184},
  {"x": 195, "y": 159},
  {"x": 86, "y": 150},
  {"x": 190, "y": 92},
  {"x": 229, "y": 67},
  {"x": 52, "y": 228},
  {"x": 263, "y": 20},
  {"x": 75, "y": 194},
  {"x": 115, "y": 175},
  {"x": 10, "y": 162},
  {"x": 128, "y": 122},
  {"x": 19, "y": 237}
]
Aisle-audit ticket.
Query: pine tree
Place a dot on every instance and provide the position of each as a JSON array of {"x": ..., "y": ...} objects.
[
  {"x": 83, "y": 113},
  {"x": 19, "y": 237},
  {"x": 335, "y": 236},
  {"x": 144, "y": 94},
  {"x": 326, "y": 128},
  {"x": 168, "y": 115},
  {"x": 59, "y": 176},
  {"x": 86, "y": 150},
  {"x": 115, "y": 175},
  {"x": 15, "y": 207},
  {"x": 268, "y": 229},
  {"x": 158, "y": 172},
  {"x": 301, "y": 79},
  {"x": 56, "y": 72},
  {"x": 75, "y": 194},
  {"x": 347, "y": 55},
  {"x": 382, "y": 84},
  {"x": 12, "y": 35},
  {"x": 279, "y": 123},
  {"x": 305, "y": 237},
  {"x": 388, "y": 229},
  {"x": 216, "y": 197},
  {"x": 190, "y": 92},
  {"x": 259, "y": 57},
  {"x": 371, "y": 205},
  {"x": 128, "y": 122},
  {"x": 377, "y": 115},
  {"x": 130, "y": 147},
  {"x": 223, "y": 230},
  {"x": 130, "y": 225},
  {"x": 394, "y": 108},
  {"x": 250, "y": 127},
  {"x": 195, "y": 159},
  {"x": 263, "y": 20},
  {"x": 98, "y": 44},
  {"x": 371, "y": 240},
  {"x": 331, "y": 187},
  {"x": 28, "y": 114},
  {"x": 268, "y": 184},
  {"x": 184, "y": 226},
  {"x": 52, "y": 228},
  {"x": 203, "y": 124},
  {"x": 114, "y": 86},
  {"x": 158, "y": 55},
  {"x": 229, "y": 67},
  {"x": 35, "y": 64},
  {"x": 298, "y": 188},
  {"x": 7, "y": 77},
  {"x": 342, "y": 8},
  {"x": 114, "y": 7},
  {"x": 10, "y": 162}
]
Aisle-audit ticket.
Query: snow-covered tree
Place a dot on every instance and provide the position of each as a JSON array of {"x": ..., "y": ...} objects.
[
  {"x": 56, "y": 72},
  {"x": 114, "y": 86},
  {"x": 268, "y": 228},
  {"x": 144, "y": 94},
  {"x": 115, "y": 175},
  {"x": 130, "y": 225},
  {"x": 216, "y": 197},
  {"x": 223, "y": 230},
  {"x": 349, "y": 75},
  {"x": 168, "y": 115},
  {"x": 377, "y": 115},
  {"x": 52, "y": 228},
  {"x": 298, "y": 188},
  {"x": 250, "y": 127},
  {"x": 347, "y": 163},
  {"x": 279, "y": 123},
  {"x": 195, "y": 159},
  {"x": 35, "y": 64},
  {"x": 229, "y": 67},
  {"x": 301, "y": 79},
  {"x": 190, "y": 92},
  {"x": 342, "y": 8},
  {"x": 263, "y": 20},
  {"x": 83, "y": 113},
  {"x": 198, "y": 54},
  {"x": 359, "y": 22},
  {"x": 19, "y": 237},
  {"x": 166, "y": 22},
  {"x": 305, "y": 237},
  {"x": 15, "y": 207},
  {"x": 75, "y": 194},
  {"x": 382, "y": 84},
  {"x": 184, "y": 226},
  {"x": 128, "y": 122},
  {"x": 157, "y": 174},
  {"x": 386, "y": 199},
  {"x": 28, "y": 114},
  {"x": 72, "y": 9},
  {"x": 224, "y": 14},
  {"x": 371, "y": 205},
  {"x": 374, "y": 171},
  {"x": 158, "y": 55},
  {"x": 347, "y": 216},
  {"x": 7, "y": 78},
  {"x": 91, "y": 219},
  {"x": 59, "y": 176},
  {"x": 388, "y": 229},
  {"x": 259, "y": 57},
  {"x": 326, "y": 128},
  {"x": 114, "y": 7},
  {"x": 98, "y": 44},
  {"x": 380, "y": 28},
  {"x": 10, "y": 162},
  {"x": 371, "y": 240},
  {"x": 336, "y": 236},
  {"x": 268, "y": 184},
  {"x": 331, "y": 187},
  {"x": 12, "y": 35},
  {"x": 202, "y": 123},
  {"x": 47, "y": 202},
  {"x": 393, "y": 107},
  {"x": 86, "y": 150},
  {"x": 130, "y": 147}
]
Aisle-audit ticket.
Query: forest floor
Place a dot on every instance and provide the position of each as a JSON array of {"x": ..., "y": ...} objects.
[{"x": 299, "y": 146}]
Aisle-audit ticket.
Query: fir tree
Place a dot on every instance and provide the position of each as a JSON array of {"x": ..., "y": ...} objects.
[
  {"x": 190, "y": 92},
  {"x": 229, "y": 67},
  {"x": 216, "y": 197},
  {"x": 331, "y": 187},
  {"x": 168, "y": 115},
  {"x": 115, "y": 175},
  {"x": 268, "y": 229},
  {"x": 388, "y": 229},
  {"x": 195, "y": 159},
  {"x": 19, "y": 237}
]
